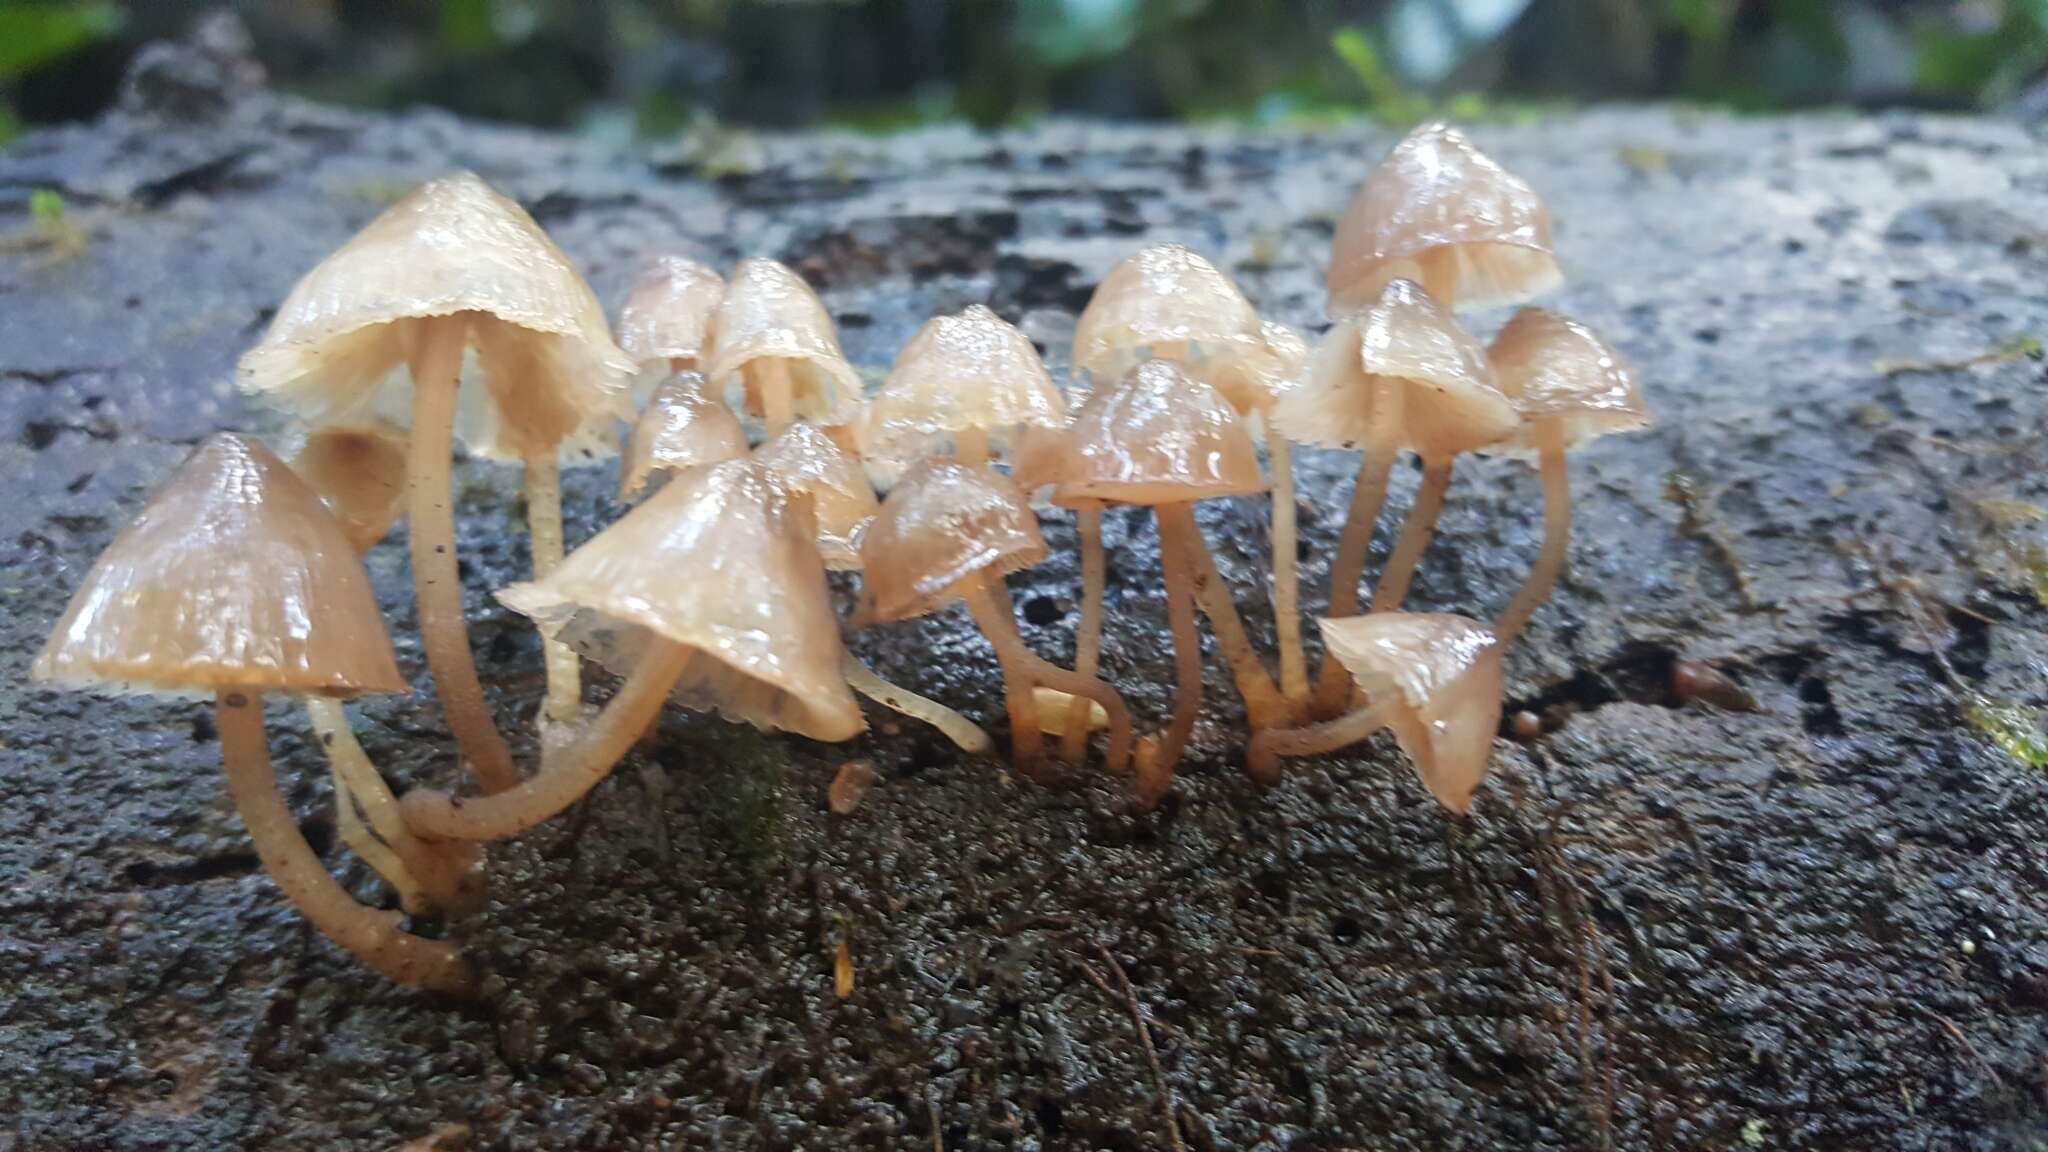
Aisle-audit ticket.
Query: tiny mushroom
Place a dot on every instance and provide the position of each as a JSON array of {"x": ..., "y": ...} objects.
[
  {"x": 682, "y": 427},
  {"x": 359, "y": 470},
  {"x": 774, "y": 333},
  {"x": 233, "y": 582},
  {"x": 668, "y": 311},
  {"x": 970, "y": 379},
  {"x": 1433, "y": 678},
  {"x": 1571, "y": 386},
  {"x": 948, "y": 532},
  {"x": 711, "y": 590},
  {"x": 1440, "y": 212}
]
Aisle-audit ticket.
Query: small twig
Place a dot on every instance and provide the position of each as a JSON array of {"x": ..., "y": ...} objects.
[
  {"x": 931, "y": 1104},
  {"x": 1968, "y": 1048},
  {"x": 1138, "y": 1021}
]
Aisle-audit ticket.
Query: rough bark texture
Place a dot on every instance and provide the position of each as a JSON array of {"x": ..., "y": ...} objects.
[{"x": 1820, "y": 924}]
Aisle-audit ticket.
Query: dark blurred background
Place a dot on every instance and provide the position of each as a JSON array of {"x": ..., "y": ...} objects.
[{"x": 655, "y": 67}]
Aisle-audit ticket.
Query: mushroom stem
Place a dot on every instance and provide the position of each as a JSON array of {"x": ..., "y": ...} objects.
[
  {"x": 372, "y": 936},
  {"x": 357, "y": 836},
  {"x": 1079, "y": 689},
  {"x": 778, "y": 395},
  {"x": 1333, "y": 684},
  {"x": 436, "y": 365},
  {"x": 445, "y": 878},
  {"x": 964, "y": 733},
  {"x": 1156, "y": 761},
  {"x": 1262, "y": 759},
  {"x": 970, "y": 447},
  {"x": 1088, "y": 639},
  {"x": 580, "y": 767},
  {"x": 1179, "y": 533},
  {"x": 1557, "y": 534},
  {"x": 992, "y": 615},
  {"x": 1416, "y": 534},
  {"x": 563, "y": 705},
  {"x": 1286, "y": 579}
]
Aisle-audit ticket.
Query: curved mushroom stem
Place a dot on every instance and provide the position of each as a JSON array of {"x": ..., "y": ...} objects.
[
  {"x": 1416, "y": 534},
  {"x": 436, "y": 366},
  {"x": 357, "y": 836},
  {"x": 1263, "y": 703},
  {"x": 579, "y": 768},
  {"x": 1157, "y": 760},
  {"x": 1079, "y": 688},
  {"x": 970, "y": 447},
  {"x": 429, "y": 877},
  {"x": 1557, "y": 535},
  {"x": 1088, "y": 639},
  {"x": 1333, "y": 684},
  {"x": 1262, "y": 759},
  {"x": 372, "y": 936},
  {"x": 964, "y": 733},
  {"x": 992, "y": 614},
  {"x": 778, "y": 394},
  {"x": 1286, "y": 580},
  {"x": 563, "y": 706}
]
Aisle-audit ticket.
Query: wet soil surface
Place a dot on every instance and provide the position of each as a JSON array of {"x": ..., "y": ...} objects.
[{"x": 1817, "y": 924}]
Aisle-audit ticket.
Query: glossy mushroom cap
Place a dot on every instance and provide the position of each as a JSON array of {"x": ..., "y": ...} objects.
[
  {"x": 234, "y": 576},
  {"x": 667, "y": 314},
  {"x": 721, "y": 561},
  {"x": 1439, "y": 209},
  {"x": 1255, "y": 381},
  {"x": 770, "y": 313},
  {"x": 1553, "y": 367},
  {"x": 359, "y": 470},
  {"x": 682, "y": 427},
  {"x": 1154, "y": 437},
  {"x": 1446, "y": 671},
  {"x": 973, "y": 370},
  {"x": 806, "y": 460},
  {"x": 452, "y": 245},
  {"x": 1165, "y": 301},
  {"x": 1449, "y": 402},
  {"x": 942, "y": 524}
]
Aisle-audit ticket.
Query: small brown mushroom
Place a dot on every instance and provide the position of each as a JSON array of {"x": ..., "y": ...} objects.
[
  {"x": 948, "y": 532},
  {"x": 667, "y": 314},
  {"x": 971, "y": 379},
  {"x": 710, "y": 591},
  {"x": 1570, "y": 386},
  {"x": 1434, "y": 678},
  {"x": 682, "y": 427},
  {"x": 235, "y": 581},
  {"x": 774, "y": 333},
  {"x": 359, "y": 470},
  {"x": 1440, "y": 212}
]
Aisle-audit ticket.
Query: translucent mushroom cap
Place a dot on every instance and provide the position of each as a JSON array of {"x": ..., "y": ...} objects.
[
  {"x": 1444, "y": 673},
  {"x": 944, "y": 524},
  {"x": 973, "y": 370},
  {"x": 234, "y": 576},
  {"x": 1255, "y": 381},
  {"x": 1155, "y": 437},
  {"x": 1168, "y": 301},
  {"x": 1406, "y": 340},
  {"x": 452, "y": 245},
  {"x": 682, "y": 427},
  {"x": 1554, "y": 368},
  {"x": 668, "y": 311},
  {"x": 769, "y": 313},
  {"x": 720, "y": 561},
  {"x": 359, "y": 470},
  {"x": 1440, "y": 210},
  {"x": 806, "y": 460}
]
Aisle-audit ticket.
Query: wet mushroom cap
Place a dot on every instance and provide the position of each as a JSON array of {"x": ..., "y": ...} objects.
[
  {"x": 1553, "y": 367},
  {"x": 454, "y": 245},
  {"x": 942, "y": 524},
  {"x": 720, "y": 561},
  {"x": 667, "y": 313},
  {"x": 1446, "y": 670},
  {"x": 806, "y": 460},
  {"x": 973, "y": 370},
  {"x": 1477, "y": 233},
  {"x": 234, "y": 575},
  {"x": 1155, "y": 437},
  {"x": 769, "y": 312},
  {"x": 359, "y": 470},
  {"x": 1255, "y": 381},
  {"x": 1165, "y": 300},
  {"x": 682, "y": 427}
]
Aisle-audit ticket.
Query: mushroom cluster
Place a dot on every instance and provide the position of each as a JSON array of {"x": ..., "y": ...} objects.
[{"x": 752, "y": 469}]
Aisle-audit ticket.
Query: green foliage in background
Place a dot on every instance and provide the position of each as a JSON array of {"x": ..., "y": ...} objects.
[{"x": 35, "y": 34}]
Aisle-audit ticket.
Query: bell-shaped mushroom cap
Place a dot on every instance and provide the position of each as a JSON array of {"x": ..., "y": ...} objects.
[
  {"x": 770, "y": 313},
  {"x": 452, "y": 245},
  {"x": 1155, "y": 437},
  {"x": 806, "y": 460},
  {"x": 234, "y": 576},
  {"x": 1166, "y": 300},
  {"x": 1449, "y": 402},
  {"x": 667, "y": 314},
  {"x": 944, "y": 523},
  {"x": 1439, "y": 208},
  {"x": 682, "y": 427},
  {"x": 1446, "y": 671},
  {"x": 973, "y": 370},
  {"x": 1553, "y": 367},
  {"x": 359, "y": 470},
  {"x": 1255, "y": 381},
  {"x": 719, "y": 560}
]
